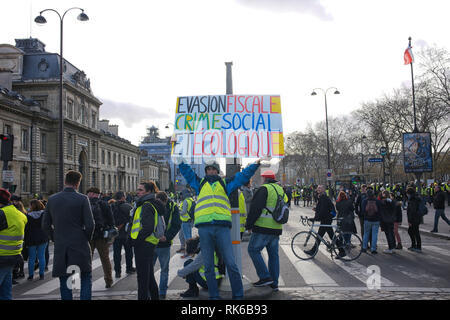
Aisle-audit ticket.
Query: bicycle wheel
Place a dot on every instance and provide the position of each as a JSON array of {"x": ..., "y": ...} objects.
[
  {"x": 304, "y": 241},
  {"x": 348, "y": 243}
]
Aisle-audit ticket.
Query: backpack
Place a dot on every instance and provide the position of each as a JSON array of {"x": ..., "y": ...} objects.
[
  {"x": 160, "y": 227},
  {"x": 423, "y": 210},
  {"x": 192, "y": 210},
  {"x": 371, "y": 208},
  {"x": 281, "y": 211},
  {"x": 98, "y": 219}
]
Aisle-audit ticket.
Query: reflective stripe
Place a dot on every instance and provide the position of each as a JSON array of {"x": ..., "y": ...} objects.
[
  {"x": 214, "y": 197},
  {"x": 11, "y": 238},
  {"x": 5, "y": 247},
  {"x": 209, "y": 205}
]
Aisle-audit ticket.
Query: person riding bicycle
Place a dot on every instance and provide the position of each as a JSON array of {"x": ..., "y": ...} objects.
[{"x": 323, "y": 214}]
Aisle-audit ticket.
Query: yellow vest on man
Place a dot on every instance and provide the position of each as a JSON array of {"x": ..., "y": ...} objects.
[
  {"x": 136, "y": 227},
  {"x": 185, "y": 217},
  {"x": 11, "y": 238},
  {"x": 266, "y": 220},
  {"x": 242, "y": 211},
  {"x": 212, "y": 204}
]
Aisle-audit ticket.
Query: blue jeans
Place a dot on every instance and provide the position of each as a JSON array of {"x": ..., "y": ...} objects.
[
  {"x": 437, "y": 214},
  {"x": 195, "y": 278},
  {"x": 85, "y": 290},
  {"x": 38, "y": 251},
  {"x": 187, "y": 229},
  {"x": 163, "y": 254},
  {"x": 6, "y": 283},
  {"x": 371, "y": 226},
  {"x": 258, "y": 242},
  {"x": 212, "y": 236}
]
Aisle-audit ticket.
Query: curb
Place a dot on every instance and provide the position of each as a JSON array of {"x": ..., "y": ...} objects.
[{"x": 428, "y": 233}]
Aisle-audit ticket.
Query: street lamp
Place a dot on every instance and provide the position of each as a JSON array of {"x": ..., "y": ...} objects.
[
  {"x": 173, "y": 162},
  {"x": 40, "y": 20},
  {"x": 326, "y": 121},
  {"x": 362, "y": 155}
]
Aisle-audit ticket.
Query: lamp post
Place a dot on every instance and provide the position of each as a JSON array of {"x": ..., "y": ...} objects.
[
  {"x": 41, "y": 20},
  {"x": 362, "y": 155},
  {"x": 326, "y": 121}
]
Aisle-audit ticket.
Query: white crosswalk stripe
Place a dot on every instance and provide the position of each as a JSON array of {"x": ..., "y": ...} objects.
[{"x": 312, "y": 272}]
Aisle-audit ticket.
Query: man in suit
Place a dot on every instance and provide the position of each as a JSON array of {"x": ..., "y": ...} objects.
[{"x": 69, "y": 223}]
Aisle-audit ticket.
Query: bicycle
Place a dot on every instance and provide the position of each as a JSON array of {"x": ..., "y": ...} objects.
[{"x": 342, "y": 241}]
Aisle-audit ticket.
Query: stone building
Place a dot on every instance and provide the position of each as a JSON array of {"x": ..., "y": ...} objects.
[{"x": 29, "y": 109}]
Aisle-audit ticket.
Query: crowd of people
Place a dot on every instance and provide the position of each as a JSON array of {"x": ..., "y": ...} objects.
[{"x": 145, "y": 225}]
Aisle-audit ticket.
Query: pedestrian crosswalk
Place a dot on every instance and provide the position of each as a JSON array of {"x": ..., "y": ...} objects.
[{"x": 403, "y": 269}]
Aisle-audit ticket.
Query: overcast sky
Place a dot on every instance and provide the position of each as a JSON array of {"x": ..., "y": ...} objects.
[{"x": 141, "y": 55}]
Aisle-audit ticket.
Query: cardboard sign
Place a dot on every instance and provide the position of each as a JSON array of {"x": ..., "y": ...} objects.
[{"x": 230, "y": 126}]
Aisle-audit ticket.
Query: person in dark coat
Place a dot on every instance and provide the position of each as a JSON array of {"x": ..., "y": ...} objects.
[
  {"x": 414, "y": 220},
  {"x": 388, "y": 216},
  {"x": 345, "y": 210},
  {"x": 397, "y": 221},
  {"x": 68, "y": 221},
  {"x": 35, "y": 238}
]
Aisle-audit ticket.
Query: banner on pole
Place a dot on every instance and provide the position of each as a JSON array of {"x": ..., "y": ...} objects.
[
  {"x": 228, "y": 126},
  {"x": 417, "y": 152}
]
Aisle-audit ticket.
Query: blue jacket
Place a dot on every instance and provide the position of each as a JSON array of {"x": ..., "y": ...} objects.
[{"x": 232, "y": 183}]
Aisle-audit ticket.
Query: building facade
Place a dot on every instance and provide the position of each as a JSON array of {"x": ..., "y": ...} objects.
[{"x": 29, "y": 109}]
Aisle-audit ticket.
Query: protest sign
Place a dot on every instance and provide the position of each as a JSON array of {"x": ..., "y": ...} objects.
[{"x": 230, "y": 126}]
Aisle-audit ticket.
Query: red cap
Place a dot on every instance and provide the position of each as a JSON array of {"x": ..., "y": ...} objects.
[
  {"x": 5, "y": 195},
  {"x": 268, "y": 174}
]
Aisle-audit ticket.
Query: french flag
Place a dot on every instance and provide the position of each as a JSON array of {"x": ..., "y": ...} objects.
[{"x": 408, "y": 56}]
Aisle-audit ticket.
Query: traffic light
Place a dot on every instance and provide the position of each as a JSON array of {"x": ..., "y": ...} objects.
[{"x": 7, "y": 147}]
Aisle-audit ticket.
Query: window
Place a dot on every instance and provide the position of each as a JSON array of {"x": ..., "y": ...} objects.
[
  {"x": 70, "y": 144},
  {"x": 109, "y": 158},
  {"x": 24, "y": 179},
  {"x": 94, "y": 151},
  {"x": 25, "y": 139},
  {"x": 114, "y": 159},
  {"x": 94, "y": 178},
  {"x": 7, "y": 129},
  {"x": 94, "y": 120},
  {"x": 83, "y": 114},
  {"x": 104, "y": 182},
  {"x": 44, "y": 180},
  {"x": 103, "y": 156},
  {"x": 43, "y": 143},
  {"x": 69, "y": 109}
]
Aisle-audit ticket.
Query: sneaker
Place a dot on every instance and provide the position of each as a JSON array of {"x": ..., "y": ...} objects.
[
  {"x": 388, "y": 251},
  {"x": 341, "y": 255},
  {"x": 417, "y": 250},
  {"x": 434, "y": 231},
  {"x": 131, "y": 271},
  {"x": 274, "y": 288},
  {"x": 41, "y": 277},
  {"x": 190, "y": 293},
  {"x": 364, "y": 250},
  {"x": 411, "y": 248},
  {"x": 108, "y": 285},
  {"x": 309, "y": 252},
  {"x": 118, "y": 275},
  {"x": 263, "y": 282},
  {"x": 399, "y": 246},
  {"x": 30, "y": 278},
  {"x": 374, "y": 252}
]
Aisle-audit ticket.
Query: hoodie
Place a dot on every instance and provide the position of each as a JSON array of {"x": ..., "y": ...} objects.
[{"x": 34, "y": 235}]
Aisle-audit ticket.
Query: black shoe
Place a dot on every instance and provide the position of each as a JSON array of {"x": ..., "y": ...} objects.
[
  {"x": 374, "y": 252},
  {"x": 118, "y": 275},
  {"x": 341, "y": 255},
  {"x": 190, "y": 293},
  {"x": 263, "y": 282},
  {"x": 30, "y": 278},
  {"x": 364, "y": 250},
  {"x": 274, "y": 288},
  {"x": 434, "y": 231},
  {"x": 162, "y": 297},
  {"x": 309, "y": 252},
  {"x": 131, "y": 271},
  {"x": 41, "y": 277}
]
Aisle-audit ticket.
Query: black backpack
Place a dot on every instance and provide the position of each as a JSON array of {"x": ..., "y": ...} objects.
[
  {"x": 191, "y": 212},
  {"x": 281, "y": 211}
]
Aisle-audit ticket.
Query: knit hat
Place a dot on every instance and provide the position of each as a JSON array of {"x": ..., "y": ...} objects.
[{"x": 5, "y": 196}]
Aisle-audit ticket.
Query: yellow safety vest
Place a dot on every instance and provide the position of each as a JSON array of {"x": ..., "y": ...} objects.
[
  {"x": 243, "y": 212},
  {"x": 185, "y": 217},
  {"x": 201, "y": 271},
  {"x": 137, "y": 227},
  {"x": 266, "y": 220},
  {"x": 11, "y": 238},
  {"x": 212, "y": 204}
]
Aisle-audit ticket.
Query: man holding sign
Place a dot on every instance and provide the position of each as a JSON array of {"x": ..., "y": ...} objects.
[{"x": 213, "y": 220}]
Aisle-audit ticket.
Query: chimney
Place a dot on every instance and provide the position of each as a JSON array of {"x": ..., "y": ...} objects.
[
  {"x": 103, "y": 125},
  {"x": 6, "y": 78},
  {"x": 114, "y": 129}
]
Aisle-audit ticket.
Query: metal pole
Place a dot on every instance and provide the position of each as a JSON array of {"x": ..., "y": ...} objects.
[
  {"x": 328, "y": 142},
  {"x": 61, "y": 118},
  {"x": 413, "y": 92}
]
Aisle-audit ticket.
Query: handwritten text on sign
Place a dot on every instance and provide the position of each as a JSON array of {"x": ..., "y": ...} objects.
[{"x": 228, "y": 126}]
